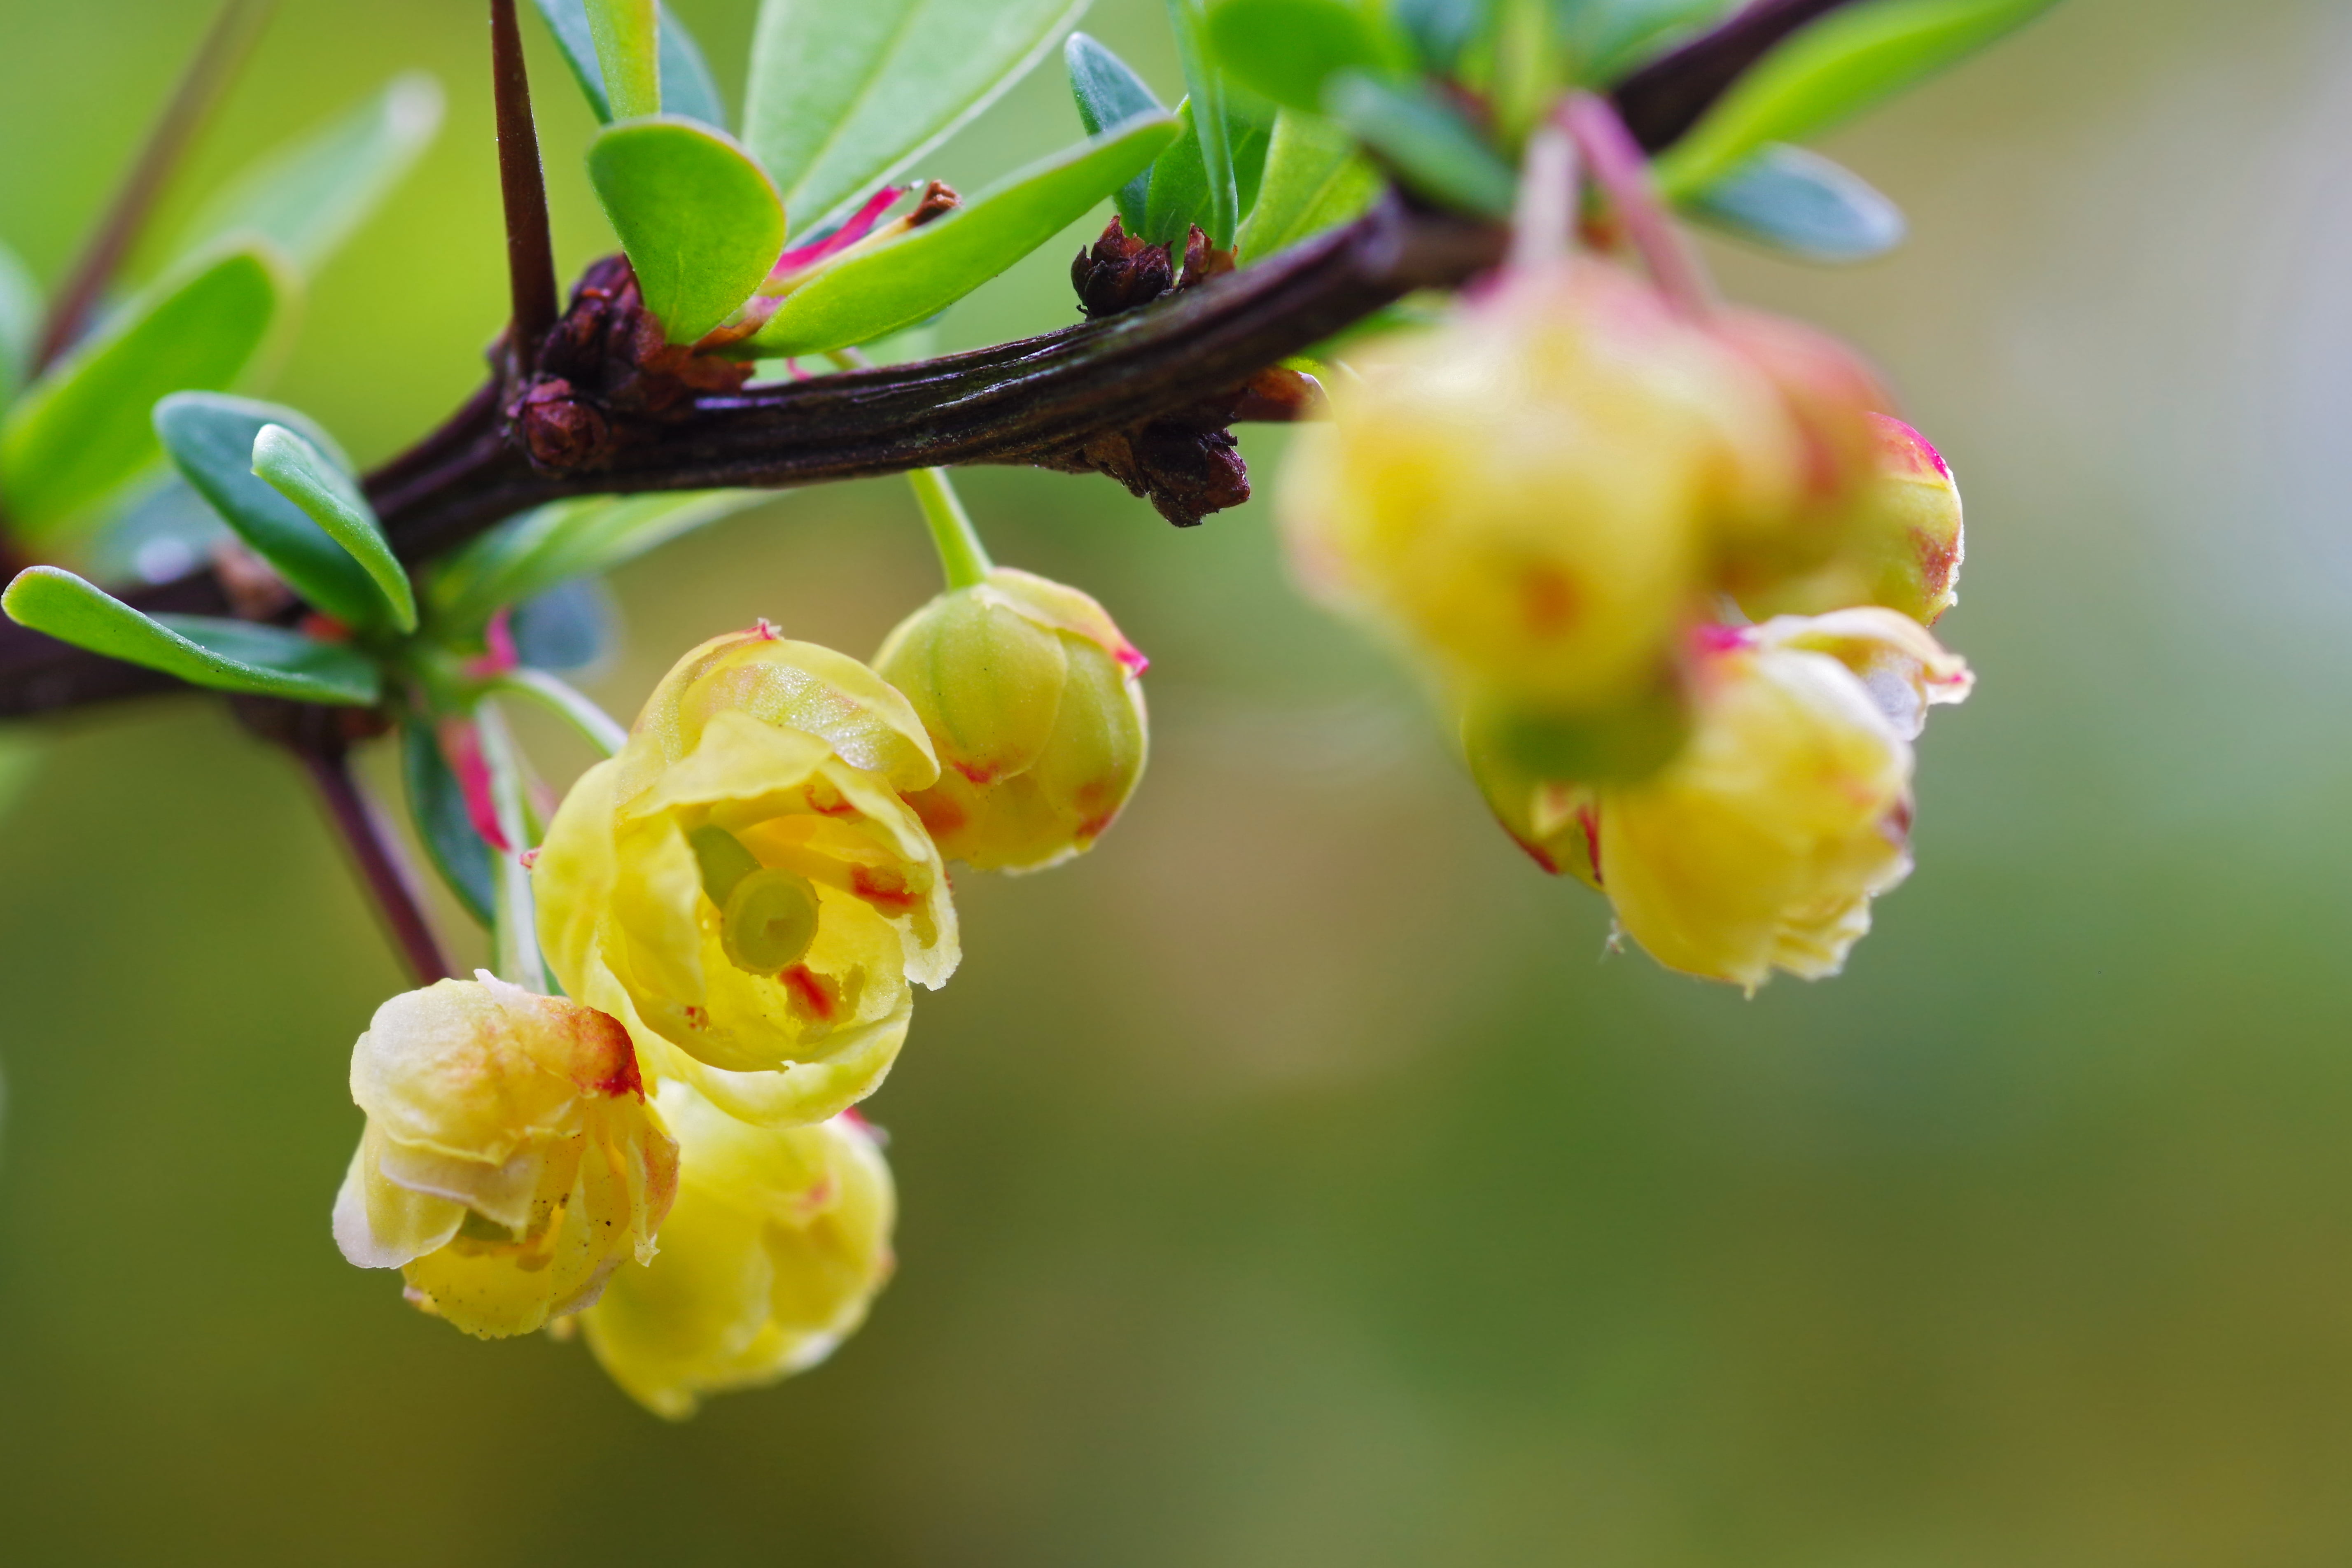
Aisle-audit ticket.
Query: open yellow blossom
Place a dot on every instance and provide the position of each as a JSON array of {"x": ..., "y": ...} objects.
[
  {"x": 777, "y": 1244},
  {"x": 1762, "y": 845},
  {"x": 1528, "y": 496},
  {"x": 509, "y": 1161},
  {"x": 742, "y": 884},
  {"x": 1030, "y": 696}
]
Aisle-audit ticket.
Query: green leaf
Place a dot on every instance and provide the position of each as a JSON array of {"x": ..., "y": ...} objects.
[
  {"x": 310, "y": 196},
  {"x": 1432, "y": 148},
  {"x": 1205, "y": 89},
  {"x": 230, "y": 656},
  {"x": 1315, "y": 178},
  {"x": 1440, "y": 29},
  {"x": 687, "y": 88},
  {"x": 905, "y": 280},
  {"x": 436, "y": 805},
  {"x": 845, "y": 94},
  {"x": 700, "y": 220},
  {"x": 1181, "y": 192},
  {"x": 1107, "y": 93},
  {"x": 627, "y": 36},
  {"x": 1290, "y": 49},
  {"x": 82, "y": 429},
  {"x": 1837, "y": 66},
  {"x": 210, "y": 439},
  {"x": 1803, "y": 204},
  {"x": 555, "y": 544},
  {"x": 309, "y": 479},
  {"x": 1608, "y": 39},
  {"x": 21, "y": 313}
]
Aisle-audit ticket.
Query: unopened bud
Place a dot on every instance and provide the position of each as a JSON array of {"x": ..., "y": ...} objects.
[{"x": 1031, "y": 697}]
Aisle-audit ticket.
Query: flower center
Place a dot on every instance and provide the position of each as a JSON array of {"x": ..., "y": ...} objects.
[{"x": 767, "y": 915}]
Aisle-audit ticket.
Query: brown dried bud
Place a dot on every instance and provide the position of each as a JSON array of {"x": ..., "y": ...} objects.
[
  {"x": 560, "y": 431},
  {"x": 938, "y": 200},
  {"x": 1120, "y": 272}
]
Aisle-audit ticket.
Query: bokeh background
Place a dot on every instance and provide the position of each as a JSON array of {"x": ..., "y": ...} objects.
[{"x": 1299, "y": 1180}]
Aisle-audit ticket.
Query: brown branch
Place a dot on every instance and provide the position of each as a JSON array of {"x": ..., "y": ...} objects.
[
  {"x": 375, "y": 855},
  {"x": 1038, "y": 401},
  {"x": 200, "y": 88},
  {"x": 522, "y": 189}
]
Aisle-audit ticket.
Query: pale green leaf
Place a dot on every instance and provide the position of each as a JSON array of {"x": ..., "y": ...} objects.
[
  {"x": 1213, "y": 146},
  {"x": 1837, "y": 66},
  {"x": 310, "y": 196},
  {"x": 1801, "y": 203},
  {"x": 699, "y": 219},
  {"x": 1315, "y": 179},
  {"x": 209, "y": 438},
  {"x": 687, "y": 86},
  {"x": 1108, "y": 91},
  {"x": 1432, "y": 148},
  {"x": 845, "y": 94},
  {"x": 1181, "y": 192},
  {"x": 82, "y": 429},
  {"x": 311, "y": 480},
  {"x": 556, "y": 543},
  {"x": 1607, "y": 38},
  {"x": 230, "y": 656},
  {"x": 1290, "y": 50},
  {"x": 21, "y": 312},
  {"x": 903, "y": 280},
  {"x": 627, "y": 36}
]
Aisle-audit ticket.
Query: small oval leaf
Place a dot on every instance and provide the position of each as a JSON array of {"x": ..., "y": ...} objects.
[
  {"x": 311, "y": 480},
  {"x": 209, "y": 438},
  {"x": 1290, "y": 50},
  {"x": 845, "y": 94},
  {"x": 83, "y": 427},
  {"x": 688, "y": 87},
  {"x": 1315, "y": 178},
  {"x": 627, "y": 36},
  {"x": 228, "y": 656},
  {"x": 1803, "y": 204},
  {"x": 1107, "y": 93},
  {"x": 701, "y": 222},
  {"x": 554, "y": 544},
  {"x": 1836, "y": 68},
  {"x": 310, "y": 196},
  {"x": 1432, "y": 148},
  {"x": 903, "y": 280}
]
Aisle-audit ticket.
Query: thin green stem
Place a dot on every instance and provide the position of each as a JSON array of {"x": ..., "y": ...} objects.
[
  {"x": 514, "y": 914},
  {"x": 963, "y": 557},
  {"x": 567, "y": 702}
]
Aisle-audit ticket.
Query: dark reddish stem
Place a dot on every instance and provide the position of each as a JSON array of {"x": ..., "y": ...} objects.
[
  {"x": 201, "y": 86},
  {"x": 376, "y": 855},
  {"x": 1666, "y": 97},
  {"x": 530, "y": 250}
]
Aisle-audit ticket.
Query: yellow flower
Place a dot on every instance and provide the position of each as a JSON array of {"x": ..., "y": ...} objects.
[
  {"x": 1902, "y": 545},
  {"x": 778, "y": 1243},
  {"x": 509, "y": 1161},
  {"x": 1030, "y": 696},
  {"x": 1761, "y": 846},
  {"x": 1527, "y": 495},
  {"x": 742, "y": 885}
]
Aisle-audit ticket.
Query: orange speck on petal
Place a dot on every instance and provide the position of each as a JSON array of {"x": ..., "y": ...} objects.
[
  {"x": 809, "y": 990},
  {"x": 884, "y": 887}
]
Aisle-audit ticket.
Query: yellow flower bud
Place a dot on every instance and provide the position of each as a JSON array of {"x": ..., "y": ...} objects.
[
  {"x": 742, "y": 885},
  {"x": 1762, "y": 845},
  {"x": 1031, "y": 697},
  {"x": 779, "y": 1240},
  {"x": 1529, "y": 493},
  {"x": 1901, "y": 544},
  {"x": 509, "y": 1161}
]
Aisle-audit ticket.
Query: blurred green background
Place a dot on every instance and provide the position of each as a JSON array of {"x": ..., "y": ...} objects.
[{"x": 1296, "y": 1180}]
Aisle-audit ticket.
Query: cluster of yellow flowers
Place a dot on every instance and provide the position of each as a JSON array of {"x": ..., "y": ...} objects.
[
  {"x": 738, "y": 905},
  {"x": 1672, "y": 568},
  {"x": 1573, "y": 503}
]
